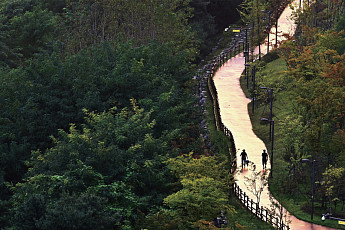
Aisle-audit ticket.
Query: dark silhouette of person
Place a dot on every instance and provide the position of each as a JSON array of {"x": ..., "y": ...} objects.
[
  {"x": 264, "y": 159},
  {"x": 244, "y": 157}
]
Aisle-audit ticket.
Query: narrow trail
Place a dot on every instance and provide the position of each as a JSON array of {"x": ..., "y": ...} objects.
[{"x": 234, "y": 112}]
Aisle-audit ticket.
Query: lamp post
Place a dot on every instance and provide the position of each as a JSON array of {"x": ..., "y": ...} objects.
[
  {"x": 271, "y": 105},
  {"x": 268, "y": 28},
  {"x": 258, "y": 15},
  {"x": 312, "y": 188},
  {"x": 276, "y": 46},
  {"x": 272, "y": 142},
  {"x": 246, "y": 54},
  {"x": 246, "y": 72},
  {"x": 252, "y": 38},
  {"x": 247, "y": 45},
  {"x": 253, "y": 92}
]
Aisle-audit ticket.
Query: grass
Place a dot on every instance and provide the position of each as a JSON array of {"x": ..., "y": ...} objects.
[
  {"x": 246, "y": 218},
  {"x": 273, "y": 75}
]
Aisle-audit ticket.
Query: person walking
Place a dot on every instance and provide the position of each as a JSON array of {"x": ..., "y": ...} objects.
[
  {"x": 264, "y": 158},
  {"x": 244, "y": 157}
]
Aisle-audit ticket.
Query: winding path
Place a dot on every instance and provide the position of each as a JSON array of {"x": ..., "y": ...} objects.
[{"x": 233, "y": 108}]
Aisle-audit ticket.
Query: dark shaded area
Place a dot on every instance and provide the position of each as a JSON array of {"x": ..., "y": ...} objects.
[{"x": 224, "y": 12}]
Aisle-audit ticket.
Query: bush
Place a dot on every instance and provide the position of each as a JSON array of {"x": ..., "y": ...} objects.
[{"x": 271, "y": 56}]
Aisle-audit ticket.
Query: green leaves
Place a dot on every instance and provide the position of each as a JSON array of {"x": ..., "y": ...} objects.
[
  {"x": 199, "y": 199},
  {"x": 100, "y": 122},
  {"x": 95, "y": 22},
  {"x": 332, "y": 184},
  {"x": 205, "y": 183},
  {"x": 104, "y": 171}
]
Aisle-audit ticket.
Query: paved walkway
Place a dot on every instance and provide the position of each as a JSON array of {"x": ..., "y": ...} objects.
[{"x": 234, "y": 113}]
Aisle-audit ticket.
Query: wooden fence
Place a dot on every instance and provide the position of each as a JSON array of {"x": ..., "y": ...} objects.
[{"x": 261, "y": 212}]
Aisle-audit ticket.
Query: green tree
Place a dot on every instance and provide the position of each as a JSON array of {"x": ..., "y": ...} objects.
[
  {"x": 199, "y": 199},
  {"x": 90, "y": 22},
  {"x": 53, "y": 202},
  {"x": 205, "y": 183},
  {"x": 113, "y": 161},
  {"x": 30, "y": 28},
  {"x": 331, "y": 184}
]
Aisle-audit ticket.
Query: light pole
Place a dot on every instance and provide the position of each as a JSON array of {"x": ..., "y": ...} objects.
[
  {"x": 252, "y": 38},
  {"x": 253, "y": 92},
  {"x": 268, "y": 28},
  {"x": 247, "y": 46},
  {"x": 258, "y": 18},
  {"x": 246, "y": 72},
  {"x": 271, "y": 105},
  {"x": 312, "y": 188},
  {"x": 276, "y": 30},
  {"x": 272, "y": 142}
]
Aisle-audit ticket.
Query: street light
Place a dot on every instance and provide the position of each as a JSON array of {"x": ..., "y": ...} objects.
[
  {"x": 272, "y": 142},
  {"x": 276, "y": 46},
  {"x": 268, "y": 29},
  {"x": 247, "y": 78},
  {"x": 312, "y": 189},
  {"x": 253, "y": 92},
  {"x": 271, "y": 105},
  {"x": 246, "y": 73}
]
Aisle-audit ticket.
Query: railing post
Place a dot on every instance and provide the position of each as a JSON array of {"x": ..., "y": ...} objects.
[
  {"x": 266, "y": 216},
  {"x": 262, "y": 216},
  {"x": 257, "y": 209}
]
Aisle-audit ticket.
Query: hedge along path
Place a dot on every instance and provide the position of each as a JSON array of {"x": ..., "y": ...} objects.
[{"x": 234, "y": 113}]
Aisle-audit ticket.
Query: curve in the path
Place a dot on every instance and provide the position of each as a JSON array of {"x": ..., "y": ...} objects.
[{"x": 233, "y": 108}]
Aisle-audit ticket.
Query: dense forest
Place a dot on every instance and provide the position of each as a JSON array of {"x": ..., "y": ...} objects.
[{"x": 100, "y": 128}]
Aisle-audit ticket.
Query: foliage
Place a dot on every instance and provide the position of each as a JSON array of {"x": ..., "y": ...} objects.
[
  {"x": 90, "y": 22},
  {"x": 309, "y": 116},
  {"x": 205, "y": 183},
  {"x": 50, "y": 93},
  {"x": 331, "y": 184},
  {"x": 99, "y": 93},
  {"x": 114, "y": 165}
]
